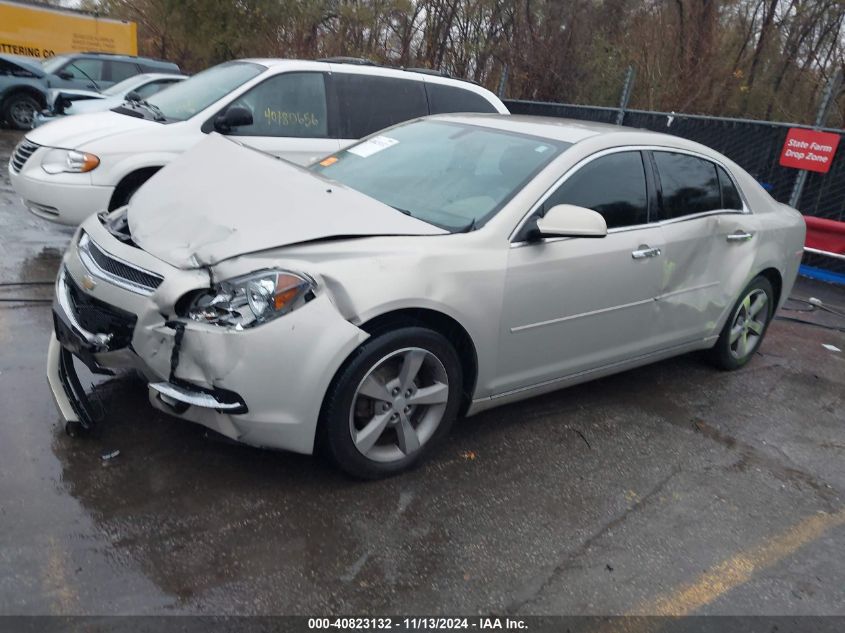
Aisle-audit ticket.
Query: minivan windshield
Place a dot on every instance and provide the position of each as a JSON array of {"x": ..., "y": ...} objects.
[
  {"x": 453, "y": 175},
  {"x": 183, "y": 100}
]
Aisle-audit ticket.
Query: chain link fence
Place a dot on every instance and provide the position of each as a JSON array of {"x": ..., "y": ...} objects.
[{"x": 754, "y": 145}]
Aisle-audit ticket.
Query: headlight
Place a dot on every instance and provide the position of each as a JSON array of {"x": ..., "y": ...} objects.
[
  {"x": 57, "y": 161},
  {"x": 247, "y": 301}
]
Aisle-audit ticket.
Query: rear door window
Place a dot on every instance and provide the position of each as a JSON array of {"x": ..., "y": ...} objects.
[
  {"x": 367, "y": 103},
  {"x": 613, "y": 185},
  {"x": 444, "y": 99},
  {"x": 688, "y": 184},
  {"x": 121, "y": 70},
  {"x": 288, "y": 105}
]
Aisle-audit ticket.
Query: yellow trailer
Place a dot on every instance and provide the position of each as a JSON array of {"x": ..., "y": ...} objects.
[{"x": 36, "y": 30}]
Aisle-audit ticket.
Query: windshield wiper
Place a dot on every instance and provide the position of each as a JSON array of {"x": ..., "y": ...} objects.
[
  {"x": 403, "y": 211},
  {"x": 158, "y": 115},
  {"x": 469, "y": 228}
]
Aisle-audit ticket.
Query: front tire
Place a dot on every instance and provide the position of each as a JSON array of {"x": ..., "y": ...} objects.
[
  {"x": 746, "y": 326},
  {"x": 19, "y": 110},
  {"x": 392, "y": 402}
]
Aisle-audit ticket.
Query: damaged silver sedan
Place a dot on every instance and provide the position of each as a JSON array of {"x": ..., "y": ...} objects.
[{"x": 437, "y": 269}]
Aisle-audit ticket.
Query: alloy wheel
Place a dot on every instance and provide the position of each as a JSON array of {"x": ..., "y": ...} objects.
[
  {"x": 399, "y": 404},
  {"x": 749, "y": 324},
  {"x": 22, "y": 114}
]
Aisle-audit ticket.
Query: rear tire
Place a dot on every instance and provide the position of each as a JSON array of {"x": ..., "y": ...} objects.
[
  {"x": 19, "y": 110},
  {"x": 746, "y": 326},
  {"x": 391, "y": 403}
]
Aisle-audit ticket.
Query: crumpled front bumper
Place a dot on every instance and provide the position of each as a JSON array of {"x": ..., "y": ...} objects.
[{"x": 263, "y": 386}]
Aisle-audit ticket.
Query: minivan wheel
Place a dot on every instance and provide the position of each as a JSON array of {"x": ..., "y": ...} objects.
[
  {"x": 19, "y": 111},
  {"x": 392, "y": 402},
  {"x": 745, "y": 328}
]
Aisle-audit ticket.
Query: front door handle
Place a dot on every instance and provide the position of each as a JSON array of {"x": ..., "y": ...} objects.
[
  {"x": 739, "y": 236},
  {"x": 645, "y": 251}
]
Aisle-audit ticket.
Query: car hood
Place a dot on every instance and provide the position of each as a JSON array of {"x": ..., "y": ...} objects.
[
  {"x": 84, "y": 106},
  {"x": 25, "y": 63},
  {"x": 79, "y": 131},
  {"x": 222, "y": 199}
]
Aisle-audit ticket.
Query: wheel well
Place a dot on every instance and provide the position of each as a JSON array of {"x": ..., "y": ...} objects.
[
  {"x": 133, "y": 179},
  {"x": 32, "y": 92},
  {"x": 773, "y": 275},
  {"x": 442, "y": 324}
]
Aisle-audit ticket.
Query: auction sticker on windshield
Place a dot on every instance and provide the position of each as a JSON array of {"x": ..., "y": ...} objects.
[{"x": 373, "y": 146}]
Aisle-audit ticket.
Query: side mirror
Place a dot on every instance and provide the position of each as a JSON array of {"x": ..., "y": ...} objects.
[
  {"x": 65, "y": 74},
  {"x": 568, "y": 220},
  {"x": 236, "y": 116}
]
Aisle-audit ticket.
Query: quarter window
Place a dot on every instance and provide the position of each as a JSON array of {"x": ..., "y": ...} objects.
[
  {"x": 445, "y": 99},
  {"x": 730, "y": 196},
  {"x": 689, "y": 185},
  {"x": 288, "y": 105},
  {"x": 613, "y": 185},
  {"x": 367, "y": 104}
]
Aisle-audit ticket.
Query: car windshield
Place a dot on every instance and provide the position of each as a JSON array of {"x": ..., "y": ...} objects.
[
  {"x": 122, "y": 87},
  {"x": 54, "y": 63},
  {"x": 453, "y": 175},
  {"x": 183, "y": 100}
]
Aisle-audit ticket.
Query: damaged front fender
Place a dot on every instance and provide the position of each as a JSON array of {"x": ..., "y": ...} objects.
[{"x": 282, "y": 383}]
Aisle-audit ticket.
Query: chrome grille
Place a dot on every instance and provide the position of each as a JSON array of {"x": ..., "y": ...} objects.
[
  {"x": 22, "y": 152},
  {"x": 119, "y": 272}
]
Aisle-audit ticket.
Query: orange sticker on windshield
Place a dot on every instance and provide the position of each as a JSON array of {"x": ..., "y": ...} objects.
[{"x": 331, "y": 160}]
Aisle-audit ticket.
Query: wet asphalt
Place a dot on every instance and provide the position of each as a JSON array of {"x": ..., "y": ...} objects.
[{"x": 675, "y": 488}]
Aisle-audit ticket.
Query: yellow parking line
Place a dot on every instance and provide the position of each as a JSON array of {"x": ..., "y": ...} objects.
[{"x": 738, "y": 569}]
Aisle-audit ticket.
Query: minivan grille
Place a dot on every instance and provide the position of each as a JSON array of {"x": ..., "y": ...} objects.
[{"x": 22, "y": 152}]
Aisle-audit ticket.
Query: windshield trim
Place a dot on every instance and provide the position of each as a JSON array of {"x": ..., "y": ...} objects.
[{"x": 475, "y": 224}]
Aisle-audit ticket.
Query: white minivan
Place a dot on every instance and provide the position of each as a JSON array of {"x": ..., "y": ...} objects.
[{"x": 297, "y": 110}]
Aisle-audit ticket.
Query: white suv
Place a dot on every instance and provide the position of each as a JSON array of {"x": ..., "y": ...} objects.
[{"x": 297, "y": 110}]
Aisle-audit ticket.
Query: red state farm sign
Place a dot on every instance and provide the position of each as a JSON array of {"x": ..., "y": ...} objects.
[{"x": 808, "y": 149}]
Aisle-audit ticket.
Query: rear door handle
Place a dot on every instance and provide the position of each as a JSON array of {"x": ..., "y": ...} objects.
[
  {"x": 645, "y": 251},
  {"x": 739, "y": 236}
]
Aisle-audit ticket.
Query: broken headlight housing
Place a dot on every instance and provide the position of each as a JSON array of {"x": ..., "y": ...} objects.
[{"x": 252, "y": 299}]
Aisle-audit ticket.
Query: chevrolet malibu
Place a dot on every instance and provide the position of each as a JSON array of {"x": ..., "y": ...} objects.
[{"x": 439, "y": 268}]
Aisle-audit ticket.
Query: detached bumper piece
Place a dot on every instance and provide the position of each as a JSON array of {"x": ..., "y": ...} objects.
[
  {"x": 83, "y": 327},
  {"x": 76, "y": 396},
  {"x": 181, "y": 396}
]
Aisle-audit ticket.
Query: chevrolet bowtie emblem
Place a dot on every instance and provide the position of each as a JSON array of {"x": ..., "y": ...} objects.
[{"x": 88, "y": 282}]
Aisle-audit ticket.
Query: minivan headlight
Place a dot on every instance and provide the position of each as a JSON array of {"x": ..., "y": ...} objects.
[
  {"x": 252, "y": 299},
  {"x": 57, "y": 161}
]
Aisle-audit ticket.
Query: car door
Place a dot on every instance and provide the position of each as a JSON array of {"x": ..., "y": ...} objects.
[
  {"x": 572, "y": 305},
  {"x": 290, "y": 117},
  {"x": 708, "y": 244},
  {"x": 86, "y": 73},
  {"x": 367, "y": 103}
]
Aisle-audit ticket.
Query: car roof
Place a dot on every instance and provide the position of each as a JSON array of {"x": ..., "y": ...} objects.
[
  {"x": 360, "y": 65},
  {"x": 566, "y": 130},
  {"x": 160, "y": 76},
  {"x": 119, "y": 57}
]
